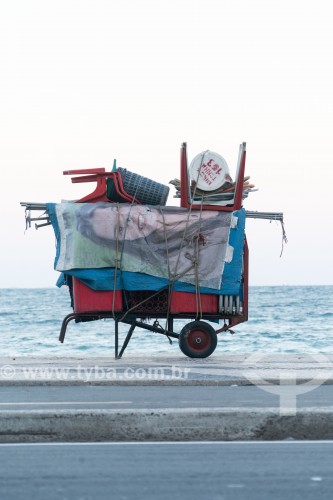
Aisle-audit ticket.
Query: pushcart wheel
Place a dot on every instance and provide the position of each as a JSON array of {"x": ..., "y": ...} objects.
[{"x": 197, "y": 339}]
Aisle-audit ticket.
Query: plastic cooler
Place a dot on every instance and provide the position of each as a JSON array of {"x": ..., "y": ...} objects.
[
  {"x": 185, "y": 302},
  {"x": 86, "y": 299}
]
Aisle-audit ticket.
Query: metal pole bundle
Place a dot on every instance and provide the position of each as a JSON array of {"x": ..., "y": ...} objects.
[
  {"x": 33, "y": 206},
  {"x": 264, "y": 215}
]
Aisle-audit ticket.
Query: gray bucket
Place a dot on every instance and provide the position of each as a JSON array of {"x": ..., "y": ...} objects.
[{"x": 145, "y": 190}]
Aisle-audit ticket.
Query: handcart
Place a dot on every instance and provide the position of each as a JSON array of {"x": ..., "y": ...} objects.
[{"x": 167, "y": 303}]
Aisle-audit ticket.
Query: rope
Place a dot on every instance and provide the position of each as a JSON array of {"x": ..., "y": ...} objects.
[
  {"x": 116, "y": 261},
  {"x": 177, "y": 277},
  {"x": 284, "y": 237},
  {"x": 196, "y": 268},
  {"x": 128, "y": 219},
  {"x": 170, "y": 287}
]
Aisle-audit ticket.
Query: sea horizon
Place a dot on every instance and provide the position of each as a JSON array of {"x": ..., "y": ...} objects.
[{"x": 288, "y": 318}]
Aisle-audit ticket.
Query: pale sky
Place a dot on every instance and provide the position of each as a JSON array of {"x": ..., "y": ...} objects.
[{"x": 86, "y": 81}]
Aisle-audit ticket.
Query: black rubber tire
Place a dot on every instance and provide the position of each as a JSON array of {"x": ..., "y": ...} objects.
[{"x": 197, "y": 339}]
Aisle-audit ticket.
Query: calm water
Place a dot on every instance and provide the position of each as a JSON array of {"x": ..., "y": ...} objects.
[{"x": 282, "y": 319}]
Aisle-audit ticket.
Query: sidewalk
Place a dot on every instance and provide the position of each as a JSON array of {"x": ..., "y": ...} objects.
[
  {"x": 225, "y": 397},
  {"x": 228, "y": 369}
]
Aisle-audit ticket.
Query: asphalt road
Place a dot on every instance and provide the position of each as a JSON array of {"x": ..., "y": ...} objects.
[
  {"x": 186, "y": 471},
  {"x": 146, "y": 397}
]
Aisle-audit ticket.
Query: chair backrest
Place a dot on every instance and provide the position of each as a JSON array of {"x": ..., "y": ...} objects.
[{"x": 235, "y": 203}]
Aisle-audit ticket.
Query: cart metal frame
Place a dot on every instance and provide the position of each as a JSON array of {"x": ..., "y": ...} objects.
[{"x": 137, "y": 319}]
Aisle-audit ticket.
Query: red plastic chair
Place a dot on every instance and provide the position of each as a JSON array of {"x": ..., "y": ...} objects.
[
  {"x": 99, "y": 176},
  {"x": 234, "y": 204}
]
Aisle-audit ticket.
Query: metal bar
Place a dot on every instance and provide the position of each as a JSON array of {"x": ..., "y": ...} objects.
[
  {"x": 231, "y": 301},
  {"x": 38, "y": 218},
  {"x": 33, "y": 206},
  {"x": 184, "y": 187},
  {"x": 64, "y": 324},
  {"x": 126, "y": 341},
  {"x": 85, "y": 171},
  {"x": 37, "y": 226},
  {"x": 264, "y": 215},
  {"x": 170, "y": 324},
  {"x": 240, "y": 178},
  {"x": 221, "y": 304},
  {"x": 237, "y": 304},
  {"x": 151, "y": 328},
  {"x": 116, "y": 338},
  {"x": 246, "y": 280}
]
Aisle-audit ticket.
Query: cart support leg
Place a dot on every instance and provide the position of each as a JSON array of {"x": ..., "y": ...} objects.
[
  {"x": 116, "y": 338},
  {"x": 65, "y": 322},
  {"x": 127, "y": 339}
]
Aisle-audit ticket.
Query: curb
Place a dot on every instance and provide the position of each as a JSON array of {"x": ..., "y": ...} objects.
[
  {"x": 162, "y": 382},
  {"x": 192, "y": 424}
]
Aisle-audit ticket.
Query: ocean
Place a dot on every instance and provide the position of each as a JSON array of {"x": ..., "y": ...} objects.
[{"x": 282, "y": 319}]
